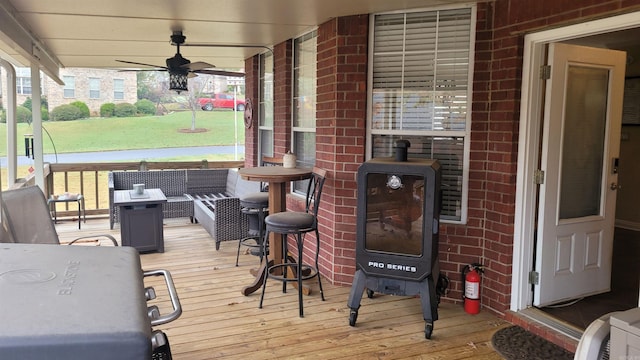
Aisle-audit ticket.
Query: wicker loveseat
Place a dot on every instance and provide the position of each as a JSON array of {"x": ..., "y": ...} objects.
[
  {"x": 208, "y": 196},
  {"x": 219, "y": 211}
]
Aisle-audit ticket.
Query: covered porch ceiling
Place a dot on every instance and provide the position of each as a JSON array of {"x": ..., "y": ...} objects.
[{"x": 94, "y": 33}]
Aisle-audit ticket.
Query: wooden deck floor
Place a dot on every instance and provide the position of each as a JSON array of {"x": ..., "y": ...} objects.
[{"x": 218, "y": 322}]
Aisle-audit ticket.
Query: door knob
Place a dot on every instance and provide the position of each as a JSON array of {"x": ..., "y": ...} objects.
[{"x": 615, "y": 186}]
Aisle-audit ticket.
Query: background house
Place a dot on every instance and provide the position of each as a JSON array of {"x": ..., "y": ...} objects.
[{"x": 91, "y": 86}]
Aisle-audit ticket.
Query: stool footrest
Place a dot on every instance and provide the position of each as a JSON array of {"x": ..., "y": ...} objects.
[{"x": 308, "y": 272}]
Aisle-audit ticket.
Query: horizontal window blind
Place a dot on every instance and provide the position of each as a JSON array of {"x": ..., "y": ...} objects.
[{"x": 420, "y": 89}]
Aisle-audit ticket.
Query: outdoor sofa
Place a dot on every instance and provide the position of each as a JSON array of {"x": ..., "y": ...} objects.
[{"x": 207, "y": 196}]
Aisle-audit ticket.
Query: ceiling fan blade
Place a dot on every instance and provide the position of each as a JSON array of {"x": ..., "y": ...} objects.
[
  {"x": 220, "y": 72},
  {"x": 191, "y": 74},
  {"x": 125, "y": 70},
  {"x": 137, "y": 63},
  {"x": 198, "y": 65}
]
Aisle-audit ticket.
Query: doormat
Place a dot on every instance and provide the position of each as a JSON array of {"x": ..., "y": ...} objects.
[{"x": 515, "y": 342}]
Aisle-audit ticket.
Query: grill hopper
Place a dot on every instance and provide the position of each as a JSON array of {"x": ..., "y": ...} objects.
[{"x": 397, "y": 232}]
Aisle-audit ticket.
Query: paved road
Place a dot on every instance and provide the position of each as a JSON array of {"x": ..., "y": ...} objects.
[{"x": 131, "y": 155}]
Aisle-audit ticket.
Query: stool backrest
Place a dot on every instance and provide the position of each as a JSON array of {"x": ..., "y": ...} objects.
[
  {"x": 269, "y": 161},
  {"x": 314, "y": 191}
]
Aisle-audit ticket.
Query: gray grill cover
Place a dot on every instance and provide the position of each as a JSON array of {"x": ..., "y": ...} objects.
[{"x": 72, "y": 302}]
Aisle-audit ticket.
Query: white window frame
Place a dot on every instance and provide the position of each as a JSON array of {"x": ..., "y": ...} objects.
[
  {"x": 92, "y": 89},
  {"x": 265, "y": 105},
  {"x": 69, "y": 89},
  {"x": 21, "y": 86},
  {"x": 116, "y": 89},
  {"x": 466, "y": 133},
  {"x": 299, "y": 187}
]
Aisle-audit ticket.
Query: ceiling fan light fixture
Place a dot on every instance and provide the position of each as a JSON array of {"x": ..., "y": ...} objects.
[{"x": 178, "y": 81}]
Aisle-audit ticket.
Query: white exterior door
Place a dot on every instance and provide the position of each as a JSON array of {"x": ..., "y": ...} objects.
[{"x": 581, "y": 140}]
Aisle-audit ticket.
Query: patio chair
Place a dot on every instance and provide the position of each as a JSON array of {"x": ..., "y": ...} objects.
[{"x": 26, "y": 219}]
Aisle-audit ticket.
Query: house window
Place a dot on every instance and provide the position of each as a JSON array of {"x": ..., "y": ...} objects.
[
  {"x": 23, "y": 81},
  {"x": 304, "y": 102},
  {"x": 420, "y": 91},
  {"x": 265, "y": 106},
  {"x": 118, "y": 89},
  {"x": 23, "y": 85},
  {"x": 94, "y": 88},
  {"x": 69, "y": 90}
]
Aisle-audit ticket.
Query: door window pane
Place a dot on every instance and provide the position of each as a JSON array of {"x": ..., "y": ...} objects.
[{"x": 583, "y": 142}]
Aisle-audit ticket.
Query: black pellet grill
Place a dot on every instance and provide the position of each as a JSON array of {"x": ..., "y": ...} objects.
[
  {"x": 397, "y": 232},
  {"x": 79, "y": 302}
]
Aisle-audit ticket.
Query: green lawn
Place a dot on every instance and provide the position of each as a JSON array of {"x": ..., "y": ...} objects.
[{"x": 150, "y": 132}]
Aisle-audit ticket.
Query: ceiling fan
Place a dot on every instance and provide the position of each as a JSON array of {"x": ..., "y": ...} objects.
[{"x": 180, "y": 69}]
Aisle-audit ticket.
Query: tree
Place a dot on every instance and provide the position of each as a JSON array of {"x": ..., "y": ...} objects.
[
  {"x": 152, "y": 85},
  {"x": 195, "y": 88}
]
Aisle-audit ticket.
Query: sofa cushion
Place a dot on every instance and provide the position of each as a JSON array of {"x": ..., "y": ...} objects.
[{"x": 238, "y": 187}]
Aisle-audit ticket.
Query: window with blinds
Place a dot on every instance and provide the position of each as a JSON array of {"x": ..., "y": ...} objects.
[
  {"x": 118, "y": 89},
  {"x": 265, "y": 112},
  {"x": 94, "y": 88},
  {"x": 69, "y": 89},
  {"x": 304, "y": 103},
  {"x": 420, "y": 91}
]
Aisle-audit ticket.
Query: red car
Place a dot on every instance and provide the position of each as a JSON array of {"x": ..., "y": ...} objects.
[{"x": 221, "y": 101}]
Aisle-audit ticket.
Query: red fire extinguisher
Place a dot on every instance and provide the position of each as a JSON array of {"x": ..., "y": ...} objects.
[{"x": 471, "y": 285}]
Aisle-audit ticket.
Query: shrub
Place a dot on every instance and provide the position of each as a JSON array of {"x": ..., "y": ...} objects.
[
  {"x": 66, "y": 112},
  {"x": 23, "y": 115},
  {"x": 146, "y": 107},
  {"x": 125, "y": 110},
  {"x": 84, "y": 109},
  {"x": 45, "y": 113},
  {"x": 107, "y": 109},
  {"x": 27, "y": 103}
]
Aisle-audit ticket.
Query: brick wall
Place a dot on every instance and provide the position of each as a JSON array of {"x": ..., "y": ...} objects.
[
  {"x": 487, "y": 237},
  {"x": 282, "y": 90},
  {"x": 340, "y": 137},
  {"x": 252, "y": 86}
]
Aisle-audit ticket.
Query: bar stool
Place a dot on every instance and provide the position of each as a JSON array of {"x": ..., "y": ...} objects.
[
  {"x": 256, "y": 207},
  {"x": 297, "y": 223}
]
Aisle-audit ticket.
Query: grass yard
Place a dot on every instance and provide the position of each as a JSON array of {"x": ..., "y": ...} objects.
[{"x": 149, "y": 132}]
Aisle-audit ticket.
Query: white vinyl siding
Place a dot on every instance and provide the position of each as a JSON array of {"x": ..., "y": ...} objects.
[{"x": 421, "y": 66}]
